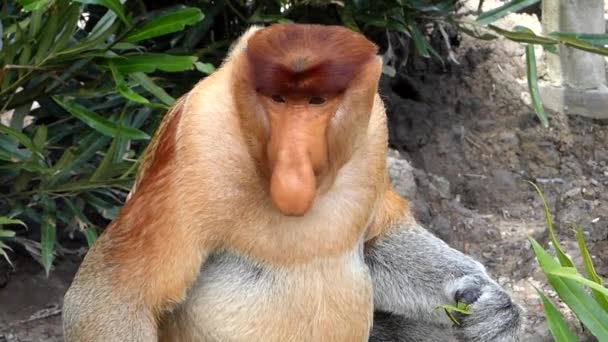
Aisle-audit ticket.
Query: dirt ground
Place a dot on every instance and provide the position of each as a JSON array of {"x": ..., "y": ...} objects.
[
  {"x": 467, "y": 143},
  {"x": 472, "y": 142}
]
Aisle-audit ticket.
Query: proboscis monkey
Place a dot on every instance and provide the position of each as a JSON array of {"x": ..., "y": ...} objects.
[{"x": 263, "y": 212}]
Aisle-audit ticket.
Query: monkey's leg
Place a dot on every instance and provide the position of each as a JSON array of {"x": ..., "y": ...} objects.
[
  {"x": 396, "y": 328},
  {"x": 413, "y": 272}
]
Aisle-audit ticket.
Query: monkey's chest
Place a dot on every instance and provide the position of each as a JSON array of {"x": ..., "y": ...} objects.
[{"x": 236, "y": 300}]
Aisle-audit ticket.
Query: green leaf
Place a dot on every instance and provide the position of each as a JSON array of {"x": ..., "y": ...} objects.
[
  {"x": 91, "y": 236},
  {"x": 420, "y": 42},
  {"x": 33, "y": 5},
  {"x": 99, "y": 123},
  {"x": 113, "y": 5},
  {"x": 123, "y": 88},
  {"x": 147, "y": 83},
  {"x": 40, "y": 137},
  {"x": 476, "y": 32},
  {"x": 48, "y": 36},
  {"x": 103, "y": 25},
  {"x": 567, "y": 273},
  {"x": 104, "y": 169},
  {"x": 206, "y": 68},
  {"x": 533, "y": 86},
  {"x": 5, "y": 220},
  {"x": 347, "y": 18},
  {"x": 24, "y": 58},
  {"x": 573, "y": 294},
  {"x": 167, "y": 23},
  {"x": 557, "y": 325},
  {"x": 577, "y": 43},
  {"x": 3, "y": 249},
  {"x": 523, "y": 37},
  {"x": 596, "y": 39},
  {"x": 154, "y": 61},
  {"x": 22, "y": 138},
  {"x": 564, "y": 260},
  {"x": 7, "y": 233},
  {"x": 491, "y": 16},
  {"x": 590, "y": 270},
  {"x": 450, "y": 309},
  {"x": 48, "y": 235},
  {"x": 72, "y": 15},
  {"x": 35, "y": 23}
]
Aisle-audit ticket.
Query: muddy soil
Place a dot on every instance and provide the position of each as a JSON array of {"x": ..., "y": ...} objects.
[
  {"x": 473, "y": 142},
  {"x": 467, "y": 143}
]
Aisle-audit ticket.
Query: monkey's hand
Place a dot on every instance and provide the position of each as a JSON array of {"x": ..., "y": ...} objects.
[
  {"x": 493, "y": 315},
  {"x": 413, "y": 272}
]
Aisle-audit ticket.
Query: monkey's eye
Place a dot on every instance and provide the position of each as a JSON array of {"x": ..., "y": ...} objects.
[
  {"x": 278, "y": 98},
  {"x": 316, "y": 100}
]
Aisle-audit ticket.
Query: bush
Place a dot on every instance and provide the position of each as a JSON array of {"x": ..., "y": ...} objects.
[{"x": 82, "y": 89}]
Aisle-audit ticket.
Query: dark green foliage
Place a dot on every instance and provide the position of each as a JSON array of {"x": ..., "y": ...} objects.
[{"x": 94, "y": 92}]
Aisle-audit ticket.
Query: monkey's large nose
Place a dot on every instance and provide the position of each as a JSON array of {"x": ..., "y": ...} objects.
[{"x": 293, "y": 186}]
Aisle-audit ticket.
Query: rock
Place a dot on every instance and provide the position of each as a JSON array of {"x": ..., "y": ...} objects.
[{"x": 401, "y": 174}]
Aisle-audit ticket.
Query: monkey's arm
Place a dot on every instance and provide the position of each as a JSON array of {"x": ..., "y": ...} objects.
[
  {"x": 119, "y": 294},
  {"x": 145, "y": 260},
  {"x": 414, "y": 271}
]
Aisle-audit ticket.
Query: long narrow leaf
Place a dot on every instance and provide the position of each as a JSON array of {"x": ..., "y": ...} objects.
[
  {"x": 491, "y": 16},
  {"x": 33, "y": 5},
  {"x": 590, "y": 270},
  {"x": 167, "y": 23},
  {"x": 584, "y": 281},
  {"x": 582, "y": 45},
  {"x": 123, "y": 88},
  {"x": 595, "y": 39},
  {"x": 7, "y": 233},
  {"x": 48, "y": 36},
  {"x": 72, "y": 15},
  {"x": 533, "y": 86},
  {"x": 22, "y": 138},
  {"x": 99, "y": 123},
  {"x": 3, "y": 249},
  {"x": 154, "y": 61},
  {"x": 557, "y": 325},
  {"x": 420, "y": 42},
  {"x": 6, "y": 220},
  {"x": 561, "y": 256},
  {"x": 113, "y": 5},
  {"x": 48, "y": 235},
  {"x": 91, "y": 236},
  {"x": 147, "y": 83},
  {"x": 523, "y": 37}
]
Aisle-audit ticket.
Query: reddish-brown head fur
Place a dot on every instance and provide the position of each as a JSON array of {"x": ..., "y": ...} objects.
[{"x": 306, "y": 59}]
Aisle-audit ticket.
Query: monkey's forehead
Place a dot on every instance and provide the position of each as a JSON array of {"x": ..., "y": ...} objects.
[{"x": 306, "y": 58}]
